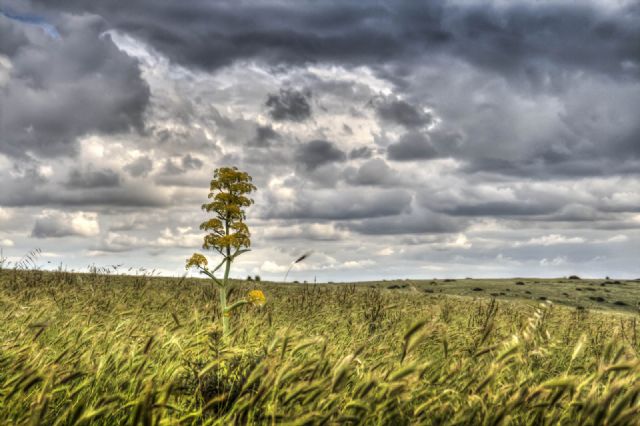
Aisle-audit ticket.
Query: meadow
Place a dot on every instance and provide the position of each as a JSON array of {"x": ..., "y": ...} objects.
[{"x": 106, "y": 348}]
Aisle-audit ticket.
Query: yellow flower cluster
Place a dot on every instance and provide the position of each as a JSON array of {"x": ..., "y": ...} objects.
[
  {"x": 256, "y": 298},
  {"x": 238, "y": 181},
  {"x": 198, "y": 261},
  {"x": 235, "y": 240}
]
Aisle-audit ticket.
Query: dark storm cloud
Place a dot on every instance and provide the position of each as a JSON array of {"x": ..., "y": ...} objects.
[
  {"x": 49, "y": 229},
  {"x": 214, "y": 34},
  {"x": 592, "y": 165},
  {"x": 140, "y": 167},
  {"x": 362, "y": 152},
  {"x": 341, "y": 205},
  {"x": 32, "y": 189},
  {"x": 577, "y": 213},
  {"x": 289, "y": 104},
  {"x": 61, "y": 89},
  {"x": 12, "y": 37},
  {"x": 538, "y": 48},
  {"x": 526, "y": 39},
  {"x": 317, "y": 153},
  {"x": 103, "y": 178},
  {"x": 503, "y": 200},
  {"x": 130, "y": 197},
  {"x": 374, "y": 172},
  {"x": 170, "y": 168},
  {"x": 422, "y": 222},
  {"x": 400, "y": 112},
  {"x": 264, "y": 136},
  {"x": 498, "y": 208},
  {"x": 183, "y": 165},
  {"x": 412, "y": 146},
  {"x": 190, "y": 162}
]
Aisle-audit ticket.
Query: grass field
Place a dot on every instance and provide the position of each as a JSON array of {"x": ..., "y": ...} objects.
[
  {"x": 602, "y": 294},
  {"x": 113, "y": 349}
]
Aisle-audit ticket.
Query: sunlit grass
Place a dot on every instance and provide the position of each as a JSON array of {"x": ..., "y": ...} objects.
[{"x": 109, "y": 349}]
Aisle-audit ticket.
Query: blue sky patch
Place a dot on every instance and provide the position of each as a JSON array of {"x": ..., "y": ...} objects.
[{"x": 48, "y": 28}]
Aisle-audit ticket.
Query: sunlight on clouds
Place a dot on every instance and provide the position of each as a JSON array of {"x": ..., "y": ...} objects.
[
  {"x": 362, "y": 74},
  {"x": 551, "y": 240},
  {"x": 618, "y": 239},
  {"x": 5, "y": 242},
  {"x": 460, "y": 241},
  {"x": 272, "y": 267},
  {"x": 93, "y": 147},
  {"x": 355, "y": 264},
  {"x": 55, "y": 223},
  {"x": 5, "y": 70},
  {"x": 387, "y": 251},
  {"x": 556, "y": 261},
  {"x": 84, "y": 223},
  {"x": 5, "y": 215}
]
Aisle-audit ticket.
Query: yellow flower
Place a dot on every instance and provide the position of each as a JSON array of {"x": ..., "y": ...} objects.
[
  {"x": 197, "y": 260},
  {"x": 256, "y": 298}
]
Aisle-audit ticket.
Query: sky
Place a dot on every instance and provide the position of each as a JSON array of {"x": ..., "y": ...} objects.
[{"x": 392, "y": 139}]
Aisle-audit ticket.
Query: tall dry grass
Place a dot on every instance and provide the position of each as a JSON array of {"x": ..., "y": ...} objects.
[{"x": 110, "y": 349}]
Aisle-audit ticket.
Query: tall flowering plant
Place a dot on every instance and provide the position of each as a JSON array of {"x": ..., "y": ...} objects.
[{"x": 227, "y": 234}]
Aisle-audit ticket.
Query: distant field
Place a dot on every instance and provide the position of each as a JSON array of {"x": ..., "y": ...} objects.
[
  {"x": 603, "y": 294},
  {"x": 112, "y": 349}
]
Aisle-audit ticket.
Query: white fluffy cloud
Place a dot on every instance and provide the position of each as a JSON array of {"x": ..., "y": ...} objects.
[{"x": 57, "y": 224}]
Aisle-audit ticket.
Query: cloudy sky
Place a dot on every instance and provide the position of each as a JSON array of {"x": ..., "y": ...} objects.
[{"x": 394, "y": 139}]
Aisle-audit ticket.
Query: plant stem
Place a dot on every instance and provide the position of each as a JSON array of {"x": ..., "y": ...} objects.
[
  {"x": 237, "y": 305},
  {"x": 223, "y": 299},
  {"x": 223, "y": 289}
]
